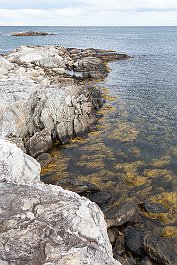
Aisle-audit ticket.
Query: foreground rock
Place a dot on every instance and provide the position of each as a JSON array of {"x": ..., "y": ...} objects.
[
  {"x": 30, "y": 33},
  {"x": 44, "y": 224}
]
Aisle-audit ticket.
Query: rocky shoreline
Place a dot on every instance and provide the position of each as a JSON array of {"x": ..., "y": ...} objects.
[{"x": 46, "y": 97}]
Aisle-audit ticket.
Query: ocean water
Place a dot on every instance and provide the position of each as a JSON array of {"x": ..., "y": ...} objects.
[{"x": 133, "y": 152}]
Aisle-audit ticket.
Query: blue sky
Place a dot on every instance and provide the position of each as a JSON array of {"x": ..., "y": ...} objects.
[{"x": 88, "y": 12}]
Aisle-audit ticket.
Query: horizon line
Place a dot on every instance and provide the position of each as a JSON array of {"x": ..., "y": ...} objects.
[{"x": 88, "y": 26}]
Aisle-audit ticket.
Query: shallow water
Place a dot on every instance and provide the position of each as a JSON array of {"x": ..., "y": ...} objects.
[{"x": 133, "y": 153}]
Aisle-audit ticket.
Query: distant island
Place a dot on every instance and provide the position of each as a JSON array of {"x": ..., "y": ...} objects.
[{"x": 30, "y": 33}]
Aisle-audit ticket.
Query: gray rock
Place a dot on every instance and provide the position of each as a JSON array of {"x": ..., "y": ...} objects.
[
  {"x": 162, "y": 250},
  {"x": 44, "y": 159},
  {"x": 30, "y": 33},
  {"x": 119, "y": 215},
  {"x": 44, "y": 224},
  {"x": 134, "y": 240},
  {"x": 17, "y": 167},
  {"x": 151, "y": 207},
  {"x": 39, "y": 143},
  {"x": 100, "y": 197},
  {"x": 36, "y": 95},
  {"x": 147, "y": 261},
  {"x": 80, "y": 187}
]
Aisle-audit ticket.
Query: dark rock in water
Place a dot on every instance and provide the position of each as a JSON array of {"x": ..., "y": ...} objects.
[
  {"x": 80, "y": 187},
  {"x": 134, "y": 240},
  {"x": 162, "y": 250},
  {"x": 151, "y": 207},
  {"x": 122, "y": 260},
  {"x": 44, "y": 159},
  {"x": 119, "y": 246},
  {"x": 91, "y": 67},
  {"x": 111, "y": 56},
  {"x": 100, "y": 197},
  {"x": 30, "y": 33},
  {"x": 121, "y": 214},
  {"x": 147, "y": 261}
]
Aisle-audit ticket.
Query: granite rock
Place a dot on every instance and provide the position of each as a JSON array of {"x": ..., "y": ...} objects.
[{"x": 44, "y": 224}]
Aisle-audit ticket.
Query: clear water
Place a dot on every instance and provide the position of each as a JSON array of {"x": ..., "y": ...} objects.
[{"x": 133, "y": 153}]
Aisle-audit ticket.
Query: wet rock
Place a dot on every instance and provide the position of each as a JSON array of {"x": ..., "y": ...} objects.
[
  {"x": 151, "y": 207},
  {"x": 39, "y": 143},
  {"x": 147, "y": 261},
  {"x": 162, "y": 250},
  {"x": 81, "y": 187},
  {"x": 100, "y": 197},
  {"x": 121, "y": 214},
  {"x": 134, "y": 240},
  {"x": 119, "y": 248},
  {"x": 111, "y": 56},
  {"x": 44, "y": 159},
  {"x": 91, "y": 65}
]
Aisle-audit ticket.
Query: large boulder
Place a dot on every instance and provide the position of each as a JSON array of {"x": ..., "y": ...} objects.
[
  {"x": 44, "y": 224},
  {"x": 17, "y": 167}
]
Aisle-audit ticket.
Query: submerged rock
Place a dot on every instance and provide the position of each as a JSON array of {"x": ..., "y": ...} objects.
[
  {"x": 44, "y": 224},
  {"x": 162, "y": 250},
  {"x": 147, "y": 261},
  {"x": 44, "y": 159},
  {"x": 121, "y": 214},
  {"x": 80, "y": 187},
  {"x": 134, "y": 240},
  {"x": 151, "y": 207},
  {"x": 99, "y": 197}
]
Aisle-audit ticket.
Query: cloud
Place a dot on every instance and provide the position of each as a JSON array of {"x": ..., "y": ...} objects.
[
  {"x": 88, "y": 12},
  {"x": 92, "y": 4}
]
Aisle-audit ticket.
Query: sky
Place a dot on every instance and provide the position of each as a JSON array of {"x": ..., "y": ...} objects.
[{"x": 88, "y": 12}]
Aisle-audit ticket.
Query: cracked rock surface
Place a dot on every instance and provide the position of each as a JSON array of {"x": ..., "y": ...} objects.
[
  {"x": 40, "y": 101},
  {"x": 44, "y": 224}
]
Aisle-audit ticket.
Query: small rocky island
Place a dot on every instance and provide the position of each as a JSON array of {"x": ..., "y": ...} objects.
[{"x": 30, "y": 33}]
